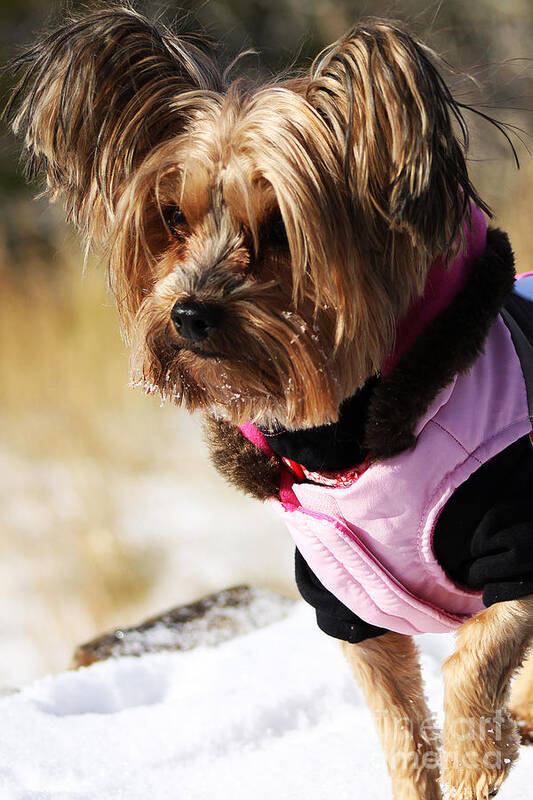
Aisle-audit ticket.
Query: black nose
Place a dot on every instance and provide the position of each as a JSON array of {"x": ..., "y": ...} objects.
[{"x": 194, "y": 320}]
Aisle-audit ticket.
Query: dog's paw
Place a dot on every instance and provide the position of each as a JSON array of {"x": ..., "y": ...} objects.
[
  {"x": 474, "y": 767},
  {"x": 471, "y": 785}
]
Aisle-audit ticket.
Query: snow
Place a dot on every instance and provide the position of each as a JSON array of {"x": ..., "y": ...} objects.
[{"x": 271, "y": 714}]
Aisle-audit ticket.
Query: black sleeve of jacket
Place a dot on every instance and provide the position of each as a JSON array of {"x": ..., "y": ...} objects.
[
  {"x": 332, "y": 616},
  {"x": 484, "y": 536}
]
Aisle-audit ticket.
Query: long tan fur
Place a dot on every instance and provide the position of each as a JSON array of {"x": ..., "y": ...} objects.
[{"x": 521, "y": 701}]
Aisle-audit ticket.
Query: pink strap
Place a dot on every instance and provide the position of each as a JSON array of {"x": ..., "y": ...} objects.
[
  {"x": 288, "y": 499},
  {"x": 254, "y": 435}
]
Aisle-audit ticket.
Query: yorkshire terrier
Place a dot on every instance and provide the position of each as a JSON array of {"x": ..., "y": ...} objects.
[{"x": 307, "y": 263}]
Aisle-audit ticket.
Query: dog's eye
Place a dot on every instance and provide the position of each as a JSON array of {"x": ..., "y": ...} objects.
[
  {"x": 275, "y": 232},
  {"x": 176, "y": 222}
]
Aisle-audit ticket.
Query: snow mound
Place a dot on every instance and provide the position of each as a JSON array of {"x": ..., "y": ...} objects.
[{"x": 273, "y": 715}]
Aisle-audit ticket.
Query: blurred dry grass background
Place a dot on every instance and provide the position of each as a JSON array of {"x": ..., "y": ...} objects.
[{"x": 108, "y": 508}]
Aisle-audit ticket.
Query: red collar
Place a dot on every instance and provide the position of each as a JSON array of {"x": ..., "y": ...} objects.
[{"x": 343, "y": 477}]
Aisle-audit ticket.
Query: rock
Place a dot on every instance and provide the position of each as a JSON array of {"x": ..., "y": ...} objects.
[{"x": 206, "y": 622}]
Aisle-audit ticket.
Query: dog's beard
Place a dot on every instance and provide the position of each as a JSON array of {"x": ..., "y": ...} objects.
[{"x": 265, "y": 361}]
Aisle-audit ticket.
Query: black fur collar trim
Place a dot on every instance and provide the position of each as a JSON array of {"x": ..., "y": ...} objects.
[{"x": 448, "y": 346}]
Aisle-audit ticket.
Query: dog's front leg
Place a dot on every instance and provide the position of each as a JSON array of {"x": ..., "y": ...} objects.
[
  {"x": 387, "y": 670},
  {"x": 480, "y": 736},
  {"x": 521, "y": 702}
]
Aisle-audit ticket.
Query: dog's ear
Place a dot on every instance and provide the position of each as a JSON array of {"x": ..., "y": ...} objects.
[
  {"x": 392, "y": 117},
  {"x": 95, "y": 97}
]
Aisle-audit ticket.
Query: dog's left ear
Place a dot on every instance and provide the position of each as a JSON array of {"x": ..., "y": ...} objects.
[{"x": 391, "y": 114}]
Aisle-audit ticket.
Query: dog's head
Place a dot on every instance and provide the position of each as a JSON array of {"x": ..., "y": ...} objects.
[{"x": 262, "y": 239}]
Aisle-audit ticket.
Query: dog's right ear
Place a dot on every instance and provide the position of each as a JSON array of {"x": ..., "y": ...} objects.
[
  {"x": 95, "y": 97},
  {"x": 400, "y": 133}
]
